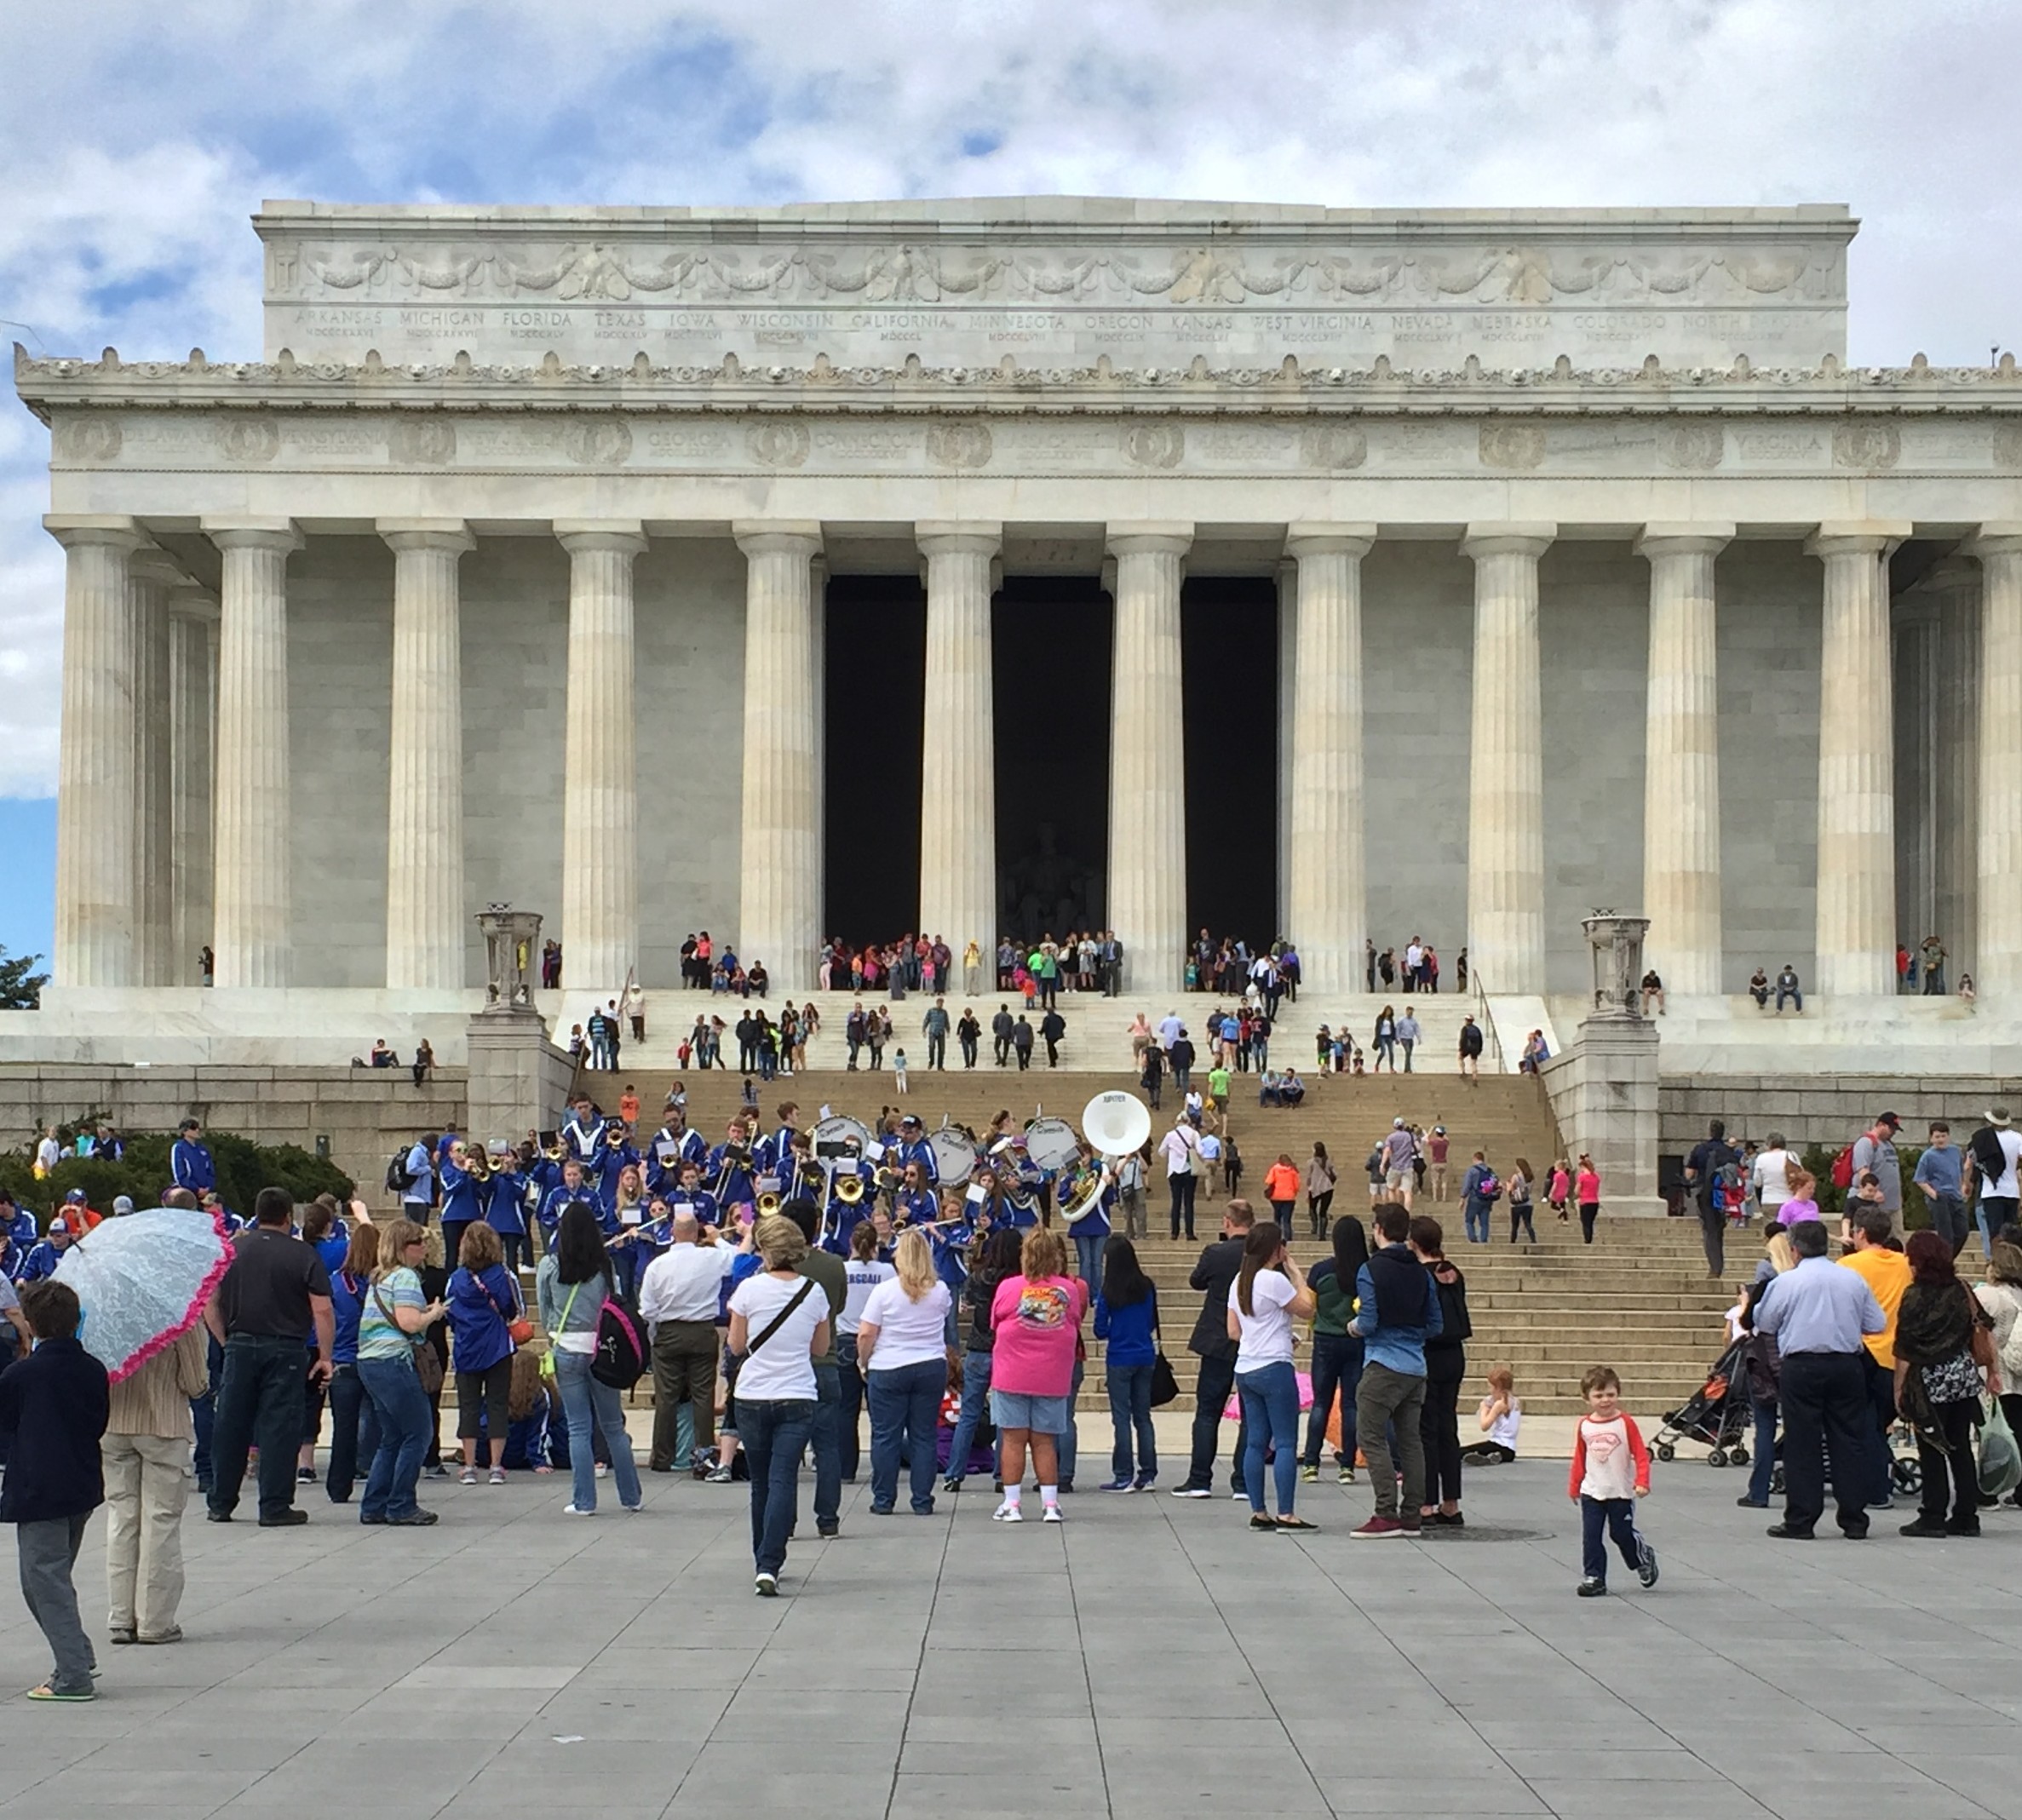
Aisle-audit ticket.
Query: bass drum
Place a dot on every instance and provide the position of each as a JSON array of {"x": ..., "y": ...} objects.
[
  {"x": 1052, "y": 1145},
  {"x": 954, "y": 1154}
]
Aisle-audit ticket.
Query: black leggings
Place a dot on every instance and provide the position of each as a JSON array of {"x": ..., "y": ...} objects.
[
  {"x": 488, "y": 1391},
  {"x": 1589, "y": 1211},
  {"x": 1318, "y": 1205},
  {"x": 1956, "y": 1422},
  {"x": 1520, "y": 1215},
  {"x": 1439, "y": 1428}
]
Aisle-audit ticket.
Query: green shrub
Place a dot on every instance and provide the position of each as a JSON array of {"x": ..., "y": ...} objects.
[{"x": 243, "y": 1168}]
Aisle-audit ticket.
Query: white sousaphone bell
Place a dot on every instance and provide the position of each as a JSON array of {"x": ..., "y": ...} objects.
[{"x": 1115, "y": 1124}]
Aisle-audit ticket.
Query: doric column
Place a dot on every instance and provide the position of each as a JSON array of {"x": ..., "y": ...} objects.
[
  {"x": 250, "y": 889},
  {"x": 1999, "y": 951},
  {"x": 154, "y": 576},
  {"x": 1288, "y": 665},
  {"x": 1856, "y": 940},
  {"x": 1955, "y": 798},
  {"x": 97, "y": 906},
  {"x": 778, "y": 918},
  {"x": 425, "y": 843},
  {"x": 600, "y": 838},
  {"x": 958, "y": 846},
  {"x": 193, "y": 739},
  {"x": 1506, "y": 765},
  {"x": 1147, "y": 778},
  {"x": 1326, "y": 875},
  {"x": 1913, "y": 685},
  {"x": 1681, "y": 764}
]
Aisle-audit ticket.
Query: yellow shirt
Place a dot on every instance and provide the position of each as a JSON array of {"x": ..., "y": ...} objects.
[{"x": 1887, "y": 1274}]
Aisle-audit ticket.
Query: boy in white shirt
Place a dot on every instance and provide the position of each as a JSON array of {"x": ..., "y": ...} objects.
[{"x": 1610, "y": 1470}]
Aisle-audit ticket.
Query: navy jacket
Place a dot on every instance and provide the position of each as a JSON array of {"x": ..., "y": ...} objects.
[{"x": 54, "y": 1407}]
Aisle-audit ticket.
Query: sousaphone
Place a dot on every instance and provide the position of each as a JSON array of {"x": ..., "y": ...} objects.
[{"x": 1115, "y": 1124}]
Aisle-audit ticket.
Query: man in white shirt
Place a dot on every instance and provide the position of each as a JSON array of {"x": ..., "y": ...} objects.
[
  {"x": 680, "y": 1297},
  {"x": 1769, "y": 1175},
  {"x": 1182, "y": 1151},
  {"x": 1414, "y": 963},
  {"x": 1168, "y": 1029}
]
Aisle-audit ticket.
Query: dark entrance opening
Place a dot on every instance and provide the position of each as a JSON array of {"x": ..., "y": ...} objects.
[
  {"x": 1050, "y": 653},
  {"x": 1229, "y": 687},
  {"x": 875, "y": 665}
]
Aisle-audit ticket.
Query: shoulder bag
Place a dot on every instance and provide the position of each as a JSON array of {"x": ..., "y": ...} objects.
[
  {"x": 428, "y": 1362},
  {"x": 1165, "y": 1386},
  {"x": 519, "y": 1328},
  {"x": 778, "y": 1320}
]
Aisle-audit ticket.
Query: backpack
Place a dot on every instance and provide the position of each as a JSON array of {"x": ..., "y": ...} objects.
[
  {"x": 1842, "y": 1168},
  {"x": 1488, "y": 1190},
  {"x": 398, "y": 1179},
  {"x": 620, "y": 1359}
]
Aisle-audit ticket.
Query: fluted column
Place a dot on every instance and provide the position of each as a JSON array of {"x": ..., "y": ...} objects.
[
  {"x": 193, "y": 738},
  {"x": 1955, "y": 795},
  {"x": 97, "y": 810},
  {"x": 1998, "y": 975},
  {"x": 1506, "y": 943},
  {"x": 424, "y": 844},
  {"x": 599, "y": 839},
  {"x": 958, "y": 845},
  {"x": 1681, "y": 763},
  {"x": 154, "y": 575},
  {"x": 1913, "y": 684},
  {"x": 1856, "y": 940},
  {"x": 250, "y": 889},
  {"x": 778, "y": 918},
  {"x": 1328, "y": 882},
  {"x": 1147, "y": 778}
]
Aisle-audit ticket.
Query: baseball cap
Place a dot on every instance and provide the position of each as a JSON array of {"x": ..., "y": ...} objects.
[
  {"x": 76, "y": 1198},
  {"x": 1397, "y": 1124},
  {"x": 1891, "y": 1120},
  {"x": 122, "y": 1203}
]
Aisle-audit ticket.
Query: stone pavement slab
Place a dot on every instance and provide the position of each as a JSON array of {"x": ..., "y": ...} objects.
[{"x": 1150, "y": 1657}]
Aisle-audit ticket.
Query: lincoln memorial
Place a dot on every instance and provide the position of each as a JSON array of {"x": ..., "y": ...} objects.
[{"x": 954, "y": 566}]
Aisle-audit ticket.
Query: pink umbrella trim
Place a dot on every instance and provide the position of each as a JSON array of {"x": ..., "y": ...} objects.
[{"x": 163, "y": 1341}]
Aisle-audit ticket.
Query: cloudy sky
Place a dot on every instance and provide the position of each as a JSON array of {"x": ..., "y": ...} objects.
[{"x": 136, "y": 139}]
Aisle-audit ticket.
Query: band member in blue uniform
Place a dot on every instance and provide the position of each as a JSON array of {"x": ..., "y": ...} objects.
[
  {"x": 609, "y": 1166},
  {"x": 690, "y": 1197},
  {"x": 583, "y": 1131},
  {"x": 463, "y": 1195},
  {"x": 731, "y": 1167},
  {"x": 774, "y": 1153},
  {"x": 573, "y": 1187},
  {"x": 189, "y": 1159},
  {"x": 674, "y": 1144},
  {"x": 505, "y": 1207},
  {"x": 1093, "y": 1228},
  {"x": 913, "y": 1147},
  {"x": 915, "y": 1203}
]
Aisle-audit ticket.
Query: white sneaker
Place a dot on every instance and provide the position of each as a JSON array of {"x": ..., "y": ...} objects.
[
  {"x": 603, "y": 1471},
  {"x": 571, "y": 1510},
  {"x": 1007, "y": 1514},
  {"x": 766, "y": 1586},
  {"x": 1052, "y": 1514}
]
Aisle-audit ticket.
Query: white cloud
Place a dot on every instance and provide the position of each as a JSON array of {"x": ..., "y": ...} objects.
[{"x": 136, "y": 140}]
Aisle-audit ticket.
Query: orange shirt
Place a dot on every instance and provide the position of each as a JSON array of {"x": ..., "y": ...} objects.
[
  {"x": 1887, "y": 1274},
  {"x": 1281, "y": 1183}
]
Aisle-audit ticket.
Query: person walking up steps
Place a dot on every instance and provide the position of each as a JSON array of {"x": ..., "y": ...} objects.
[
  {"x": 1610, "y": 1470},
  {"x": 1399, "y": 1311}
]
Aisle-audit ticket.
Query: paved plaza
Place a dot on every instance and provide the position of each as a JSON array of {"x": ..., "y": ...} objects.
[{"x": 1151, "y": 1657}]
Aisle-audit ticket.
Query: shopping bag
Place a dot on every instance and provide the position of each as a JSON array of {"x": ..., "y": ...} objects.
[{"x": 2000, "y": 1459}]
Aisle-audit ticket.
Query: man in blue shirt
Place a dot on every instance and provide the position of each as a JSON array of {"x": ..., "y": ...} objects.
[
  {"x": 1941, "y": 1173},
  {"x": 1818, "y": 1315},
  {"x": 189, "y": 1159},
  {"x": 1399, "y": 1311}
]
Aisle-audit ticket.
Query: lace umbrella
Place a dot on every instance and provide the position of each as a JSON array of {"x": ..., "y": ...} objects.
[{"x": 142, "y": 1281}]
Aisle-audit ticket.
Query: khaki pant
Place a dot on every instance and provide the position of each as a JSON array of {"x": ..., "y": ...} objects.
[
  {"x": 146, "y": 1483},
  {"x": 684, "y": 1371}
]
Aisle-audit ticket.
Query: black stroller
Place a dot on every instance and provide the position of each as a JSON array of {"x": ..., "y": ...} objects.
[{"x": 1717, "y": 1413}]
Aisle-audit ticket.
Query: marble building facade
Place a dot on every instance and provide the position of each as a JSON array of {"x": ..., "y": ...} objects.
[{"x": 1602, "y": 580}]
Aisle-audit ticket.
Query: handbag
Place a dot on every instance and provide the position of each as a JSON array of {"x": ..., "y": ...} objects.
[
  {"x": 2001, "y": 1458},
  {"x": 428, "y": 1362},
  {"x": 519, "y": 1331},
  {"x": 1165, "y": 1386}
]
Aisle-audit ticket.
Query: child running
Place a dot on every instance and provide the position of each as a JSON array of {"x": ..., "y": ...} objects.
[
  {"x": 1610, "y": 1470},
  {"x": 1502, "y": 1415}
]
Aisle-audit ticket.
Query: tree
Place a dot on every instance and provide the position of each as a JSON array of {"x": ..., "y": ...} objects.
[{"x": 20, "y": 985}]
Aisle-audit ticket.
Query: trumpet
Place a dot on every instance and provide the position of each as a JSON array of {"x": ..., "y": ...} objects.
[
  {"x": 614, "y": 1136},
  {"x": 478, "y": 1166}
]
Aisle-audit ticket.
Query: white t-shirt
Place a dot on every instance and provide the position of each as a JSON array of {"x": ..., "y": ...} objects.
[
  {"x": 909, "y": 1332},
  {"x": 1177, "y": 1147},
  {"x": 1771, "y": 1177},
  {"x": 862, "y": 1278},
  {"x": 1169, "y": 1032},
  {"x": 782, "y": 1369},
  {"x": 1267, "y": 1334},
  {"x": 1503, "y": 1430},
  {"x": 2011, "y": 1148}
]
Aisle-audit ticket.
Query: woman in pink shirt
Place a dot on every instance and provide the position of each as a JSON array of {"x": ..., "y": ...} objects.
[
  {"x": 1036, "y": 1317},
  {"x": 1587, "y": 1192}
]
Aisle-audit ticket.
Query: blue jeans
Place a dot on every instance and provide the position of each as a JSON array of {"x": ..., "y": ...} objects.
[
  {"x": 1270, "y": 1397},
  {"x": 775, "y": 1433},
  {"x": 1762, "y": 1460},
  {"x": 1337, "y": 1370},
  {"x": 406, "y": 1432},
  {"x": 825, "y": 1439},
  {"x": 975, "y": 1400},
  {"x": 1067, "y": 1442},
  {"x": 850, "y": 1411},
  {"x": 354, "y": 1431},
  {"x": 259, "y": 1403},
  {"x": 589, "y": 1405},
  {"x": 1475, "y": 1215},
  {"x": 1601, "y": 1518},
  {"x": 1130, "y": 1409},
  {"x": 905, "y": 1404},
  {"x": 1088, "y": 1251}
]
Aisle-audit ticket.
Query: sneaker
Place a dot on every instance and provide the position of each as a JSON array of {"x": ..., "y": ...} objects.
[
  {"x": 1347, "y": 1475},
  {"x": 576, "y": 1510},
  {"x": 1052, "y": 1514},
  {"x": 127, "y": 1635},
  {"x": 1377, "y": 1529},
  {"x": 1239, "y": 1491},
  {"x": 1309, "y": 1475},
  {"x": 172, "y": 1635},
  {"x": 1191, "y": 1491},
  {"x": 1592, "y": 1589},
  {"x": 469, "y": 1476},
  {"x": 1749, "y": 1503},
  {"x": 1007, "y": 1514},
  {"x": 499, "y": 1475},
  {"x": 285, "y": 1519},
  {"x": 435, "y": 1469},
  {"x": 766, "y": 1586},
  {"x": 1119, "y": 1484},
  {"x": 1968, "y": 1526},
  {"x": 1646, "y": 1562},
  {"x": 304, "y": 1475},
  {"x": 415, "y": 1519},
  {"x": 603, "y": 1471},
  {"x": 1144, "y": 1481},
  {"x": 950, "y": 1484},
  {"x": 717, "y": 1475}
]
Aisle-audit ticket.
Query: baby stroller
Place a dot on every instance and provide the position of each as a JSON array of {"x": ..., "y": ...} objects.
[{"x": 1717, "y": 1413}]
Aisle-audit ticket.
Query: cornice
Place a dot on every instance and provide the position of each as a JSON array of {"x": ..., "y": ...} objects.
[{"x": 1103, "y": 389}]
